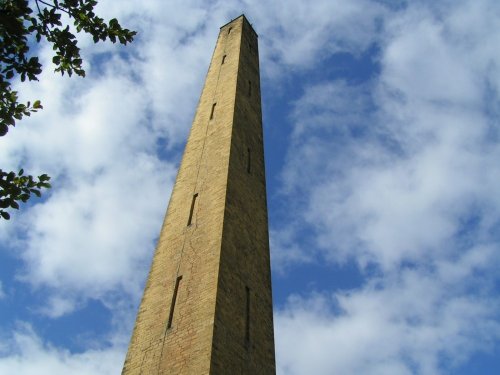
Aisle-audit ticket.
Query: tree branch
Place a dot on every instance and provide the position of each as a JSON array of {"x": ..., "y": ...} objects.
[{"x": 52, "y": 6}]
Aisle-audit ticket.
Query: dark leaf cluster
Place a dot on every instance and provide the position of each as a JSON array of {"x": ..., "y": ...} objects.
[
  {"x": 20, "y": 27},
  {"x": 15, "y": 188}
]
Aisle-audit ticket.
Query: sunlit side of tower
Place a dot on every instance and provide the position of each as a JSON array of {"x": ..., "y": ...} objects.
[{"x": 207, "y": 304}]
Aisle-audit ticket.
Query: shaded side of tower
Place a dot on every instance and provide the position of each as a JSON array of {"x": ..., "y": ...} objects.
[{"x": 207, "y": 304}]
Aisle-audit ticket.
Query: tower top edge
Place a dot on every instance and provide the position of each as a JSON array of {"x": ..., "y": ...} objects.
[{"x": 245, "y": 19}]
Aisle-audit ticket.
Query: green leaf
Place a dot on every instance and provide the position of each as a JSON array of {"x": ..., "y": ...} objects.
[
  {"x": 5, "y": 215},
  {"x": 3, "y": 129}
]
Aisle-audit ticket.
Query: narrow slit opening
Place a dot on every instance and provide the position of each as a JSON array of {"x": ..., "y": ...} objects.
[
  {"x": 172, "y": 305},
  {"x": 229, "y": 30},
  {"x": 191, "y": 212},
  {"x": 223, "y": 59},
  {"x": 249, "y": 160},
  {"x": 213, "y": 111},
  {"x": 249, "y": 88},
  {"x": 247, "y": 315}
]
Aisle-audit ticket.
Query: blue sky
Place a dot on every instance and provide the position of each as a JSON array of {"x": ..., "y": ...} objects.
[{"x": 382, "y": 144}]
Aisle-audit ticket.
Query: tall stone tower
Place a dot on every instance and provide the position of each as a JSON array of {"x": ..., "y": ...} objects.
[{"x": 207, "y": 305}]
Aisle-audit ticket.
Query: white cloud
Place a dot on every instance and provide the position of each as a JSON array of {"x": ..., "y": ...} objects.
[
  {"x": 426, "y": 63},
  {"x": 56, "y": 307},
  {"x": 285, "y": 251},
  {"x": 174, "y": 45},
  {"x": 400, "y": 175},
  {"x": 398, "y": 183},
  {"x": 413, "y": 322},
  {"x": 298, "y": 34},
  {"x": 23, "y": 352},
  {"x": 96, "y": 227}
]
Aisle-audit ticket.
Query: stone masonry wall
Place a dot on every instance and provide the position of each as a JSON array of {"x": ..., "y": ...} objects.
[{"x": 207, "y": 306}]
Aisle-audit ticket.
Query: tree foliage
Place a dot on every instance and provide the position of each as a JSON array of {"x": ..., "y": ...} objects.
[{"x": 22, "y": 25}]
